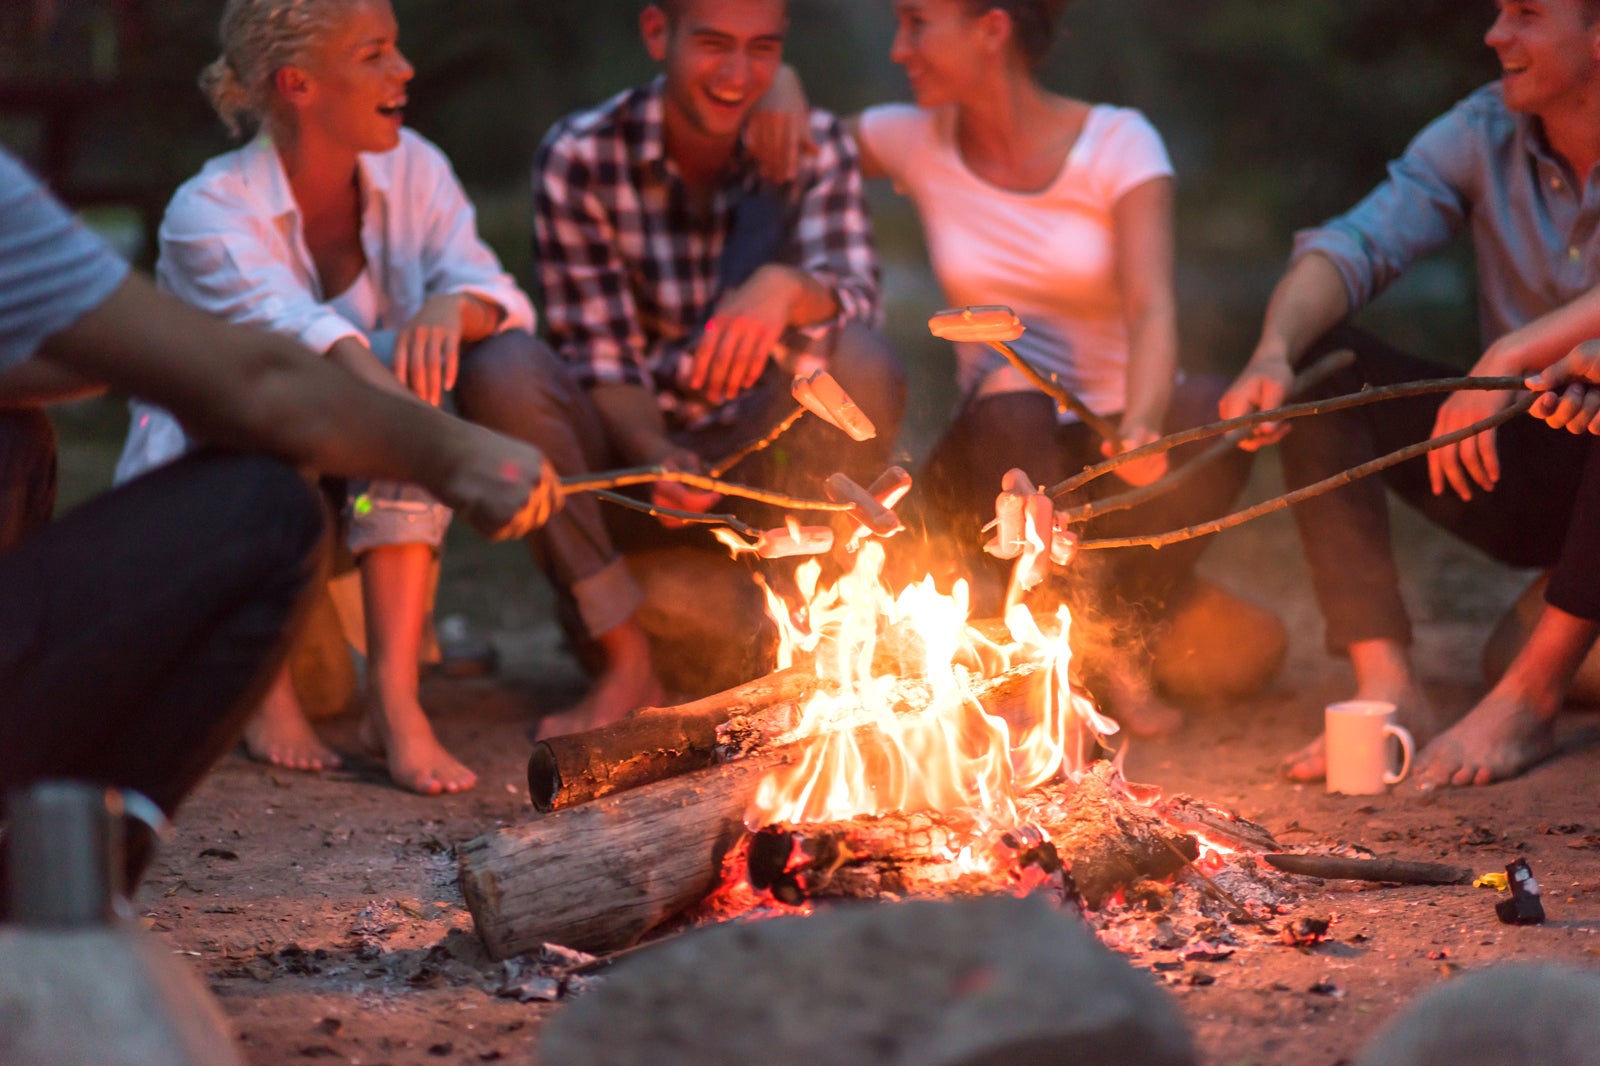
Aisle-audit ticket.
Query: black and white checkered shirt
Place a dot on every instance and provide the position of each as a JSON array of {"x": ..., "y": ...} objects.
[{"x": 629, "y": 272}]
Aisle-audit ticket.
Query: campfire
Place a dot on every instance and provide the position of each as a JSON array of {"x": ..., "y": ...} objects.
[{"x": 900, "y": 749}]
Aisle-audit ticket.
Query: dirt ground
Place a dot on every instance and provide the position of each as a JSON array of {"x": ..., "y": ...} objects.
[{"x": 324, "y": 914}]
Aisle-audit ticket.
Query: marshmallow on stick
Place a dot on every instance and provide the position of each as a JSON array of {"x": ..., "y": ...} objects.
[{"x": 864, "y": 508}]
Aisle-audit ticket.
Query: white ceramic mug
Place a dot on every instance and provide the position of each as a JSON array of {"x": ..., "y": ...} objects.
[{"x": 1359, "y": 760}]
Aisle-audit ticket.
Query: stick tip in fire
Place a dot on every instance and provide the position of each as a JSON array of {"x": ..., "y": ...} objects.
[{"x": 985, "y": 323}]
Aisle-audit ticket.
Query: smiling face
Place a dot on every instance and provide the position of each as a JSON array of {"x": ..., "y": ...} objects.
[
  {"x": 1549, "y": 53},
  {"x": 353, "y": 87},
  {"x": 941, "y": 46},
  {"x": 719, "y": 57}
]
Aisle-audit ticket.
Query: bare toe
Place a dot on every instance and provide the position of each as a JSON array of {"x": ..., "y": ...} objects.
[
  {"x": 291, "y": 746},
  {"x": 1308, "y": 764}
]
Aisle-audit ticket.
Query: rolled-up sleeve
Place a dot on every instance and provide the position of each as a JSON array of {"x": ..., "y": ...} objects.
[
  {"x": 1416, "y": 210},
  {"x": 589, "y": 310},
  {"x": 834, "y": 230},
  {"x": 222, "y": 257}
]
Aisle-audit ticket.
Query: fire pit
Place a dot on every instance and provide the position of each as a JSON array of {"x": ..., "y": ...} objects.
[{"x": 898, "y": 751}]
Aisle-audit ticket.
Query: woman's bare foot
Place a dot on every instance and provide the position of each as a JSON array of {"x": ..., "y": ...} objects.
[
  {"x": 1499, "y": 738},
  {"x": 279, "y": 733},
  {"x": 627, "y": 682},
  {"x": 399, "y": 730},
  {"x": 1133, "y": 701}
]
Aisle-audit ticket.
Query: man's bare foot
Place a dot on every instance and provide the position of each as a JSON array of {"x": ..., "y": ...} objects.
[
  {"x": 280, "y": 735},
  {"x": 1412, "y": 710},
  {"x": 627, "y": 682},
  {"x": 399, "y": 730},
  {"x": 1133, "y": 701},
  {"x": 1499, "y": 738}
]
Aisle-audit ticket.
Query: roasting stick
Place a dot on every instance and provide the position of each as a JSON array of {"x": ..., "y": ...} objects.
[
  {"x": 996, "y": 324},
  {"x": 646, "y": 475},
  {"x": 820, "y": 394},
  {"x": 1279, "y": 414},
  {"x": 1278, "y": 503},
  {"x": 1309, "y": 378},
  {"x": 696, "y": 518}
]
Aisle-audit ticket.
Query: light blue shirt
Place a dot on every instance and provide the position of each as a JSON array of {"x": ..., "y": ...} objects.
[
  {"x": 52, "y": 268},
  {"x": 1535, "y": 226}
]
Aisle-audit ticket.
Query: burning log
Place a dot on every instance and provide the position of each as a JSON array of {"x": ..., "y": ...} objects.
[
  {"x": 654, "y": 743},
  {"x": 1090, "y": 827},
  {"x": 598, "y": 876}
]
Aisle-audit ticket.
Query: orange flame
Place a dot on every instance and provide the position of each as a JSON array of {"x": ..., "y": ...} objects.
[{"x": 878, "y": 743}]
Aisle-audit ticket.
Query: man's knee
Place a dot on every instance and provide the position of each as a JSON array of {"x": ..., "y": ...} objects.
[
  {"x": 514, "y": 363},
  {"x": 868, "y": 369}
]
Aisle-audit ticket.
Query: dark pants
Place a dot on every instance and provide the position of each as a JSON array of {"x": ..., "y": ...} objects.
[
  {"x": 1544, "y": 512},
  {"x": 139, "y": 632},
  {"x": 27, "y": 474},
  {"x": 995, "y": 433}
]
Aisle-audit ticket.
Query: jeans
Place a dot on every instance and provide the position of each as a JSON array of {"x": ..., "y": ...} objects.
[
  {"x": 1544, "y": 512},
  {"x": 139, "y": 632}
]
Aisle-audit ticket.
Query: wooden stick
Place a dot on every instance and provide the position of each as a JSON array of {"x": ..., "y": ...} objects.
[
  {"x": 1279, "y": 414},
  {"x": 645, "y": 475},
  {"x": 1306, "y": 380},
  {"x": 1278, "y": 503},
  {"x": 760, "y": 444},
  {"x": 1064, "y": 398},
  {"x": 1398, "y": 871},
  {"x": 692, "y": 518}
]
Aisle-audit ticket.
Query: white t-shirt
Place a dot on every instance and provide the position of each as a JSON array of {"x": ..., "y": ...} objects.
[{"x": 1049, "y": 255}]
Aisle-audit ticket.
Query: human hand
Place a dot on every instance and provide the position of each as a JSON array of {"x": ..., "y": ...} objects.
[
  {"x": 427, "y": 350},
  {"x": 502, "y": 487},
  {"x": 741, "y": 333},
  {"x": 675, "y": 495},
  {"x": 778, "y": 131},
  {"x": 1473, "y": 459},
  {"x": 1140, "y": 472},
  {"x": 1571, "y": 390},
  {"x": 1261, "y": 386}
]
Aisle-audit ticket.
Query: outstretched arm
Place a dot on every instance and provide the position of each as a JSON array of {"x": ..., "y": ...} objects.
[
  {"x": 1309, "y": 300},
  {"x": 245, "y": 388},
  {"x": 1142, "y": 222}
]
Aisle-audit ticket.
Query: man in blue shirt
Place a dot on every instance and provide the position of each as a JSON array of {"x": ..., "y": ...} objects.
[{"x": 1514, "y": 164}]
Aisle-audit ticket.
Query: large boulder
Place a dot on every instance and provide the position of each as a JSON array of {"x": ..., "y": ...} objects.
[
  {"x": 1510, "y": 1015},
  {"x": 978, "y": 982}
]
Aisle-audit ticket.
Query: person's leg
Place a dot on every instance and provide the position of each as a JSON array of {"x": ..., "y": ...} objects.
[
  {"x": 514, "y": 384},
  {"x": 1345, "y": 533},
  {"x": 138, "y": 632},
  {"x": 27, "y": 474},
  {"x": 394, "y": 592},
  {"x": 1512, "y": 727}
]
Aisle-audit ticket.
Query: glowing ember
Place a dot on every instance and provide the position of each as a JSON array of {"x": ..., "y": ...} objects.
[{"x": 880, "y": 744}]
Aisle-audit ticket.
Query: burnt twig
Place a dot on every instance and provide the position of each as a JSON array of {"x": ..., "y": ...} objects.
[
  {"x": 1307, "y": 379},
  {"x": 1278, "y": 503},
  {"x": 1393, "y": 871},
  {"x": 1279, "y": 414},
  {"x": 645, "y": 475}
]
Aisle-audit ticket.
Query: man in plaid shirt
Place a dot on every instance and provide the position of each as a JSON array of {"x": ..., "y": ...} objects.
[{"x": 683, "y": 291}]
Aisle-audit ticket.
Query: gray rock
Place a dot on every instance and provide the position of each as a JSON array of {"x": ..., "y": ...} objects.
[
  {"x": 1509, "y": 1015},
  {"x": 980, "y": 982}
]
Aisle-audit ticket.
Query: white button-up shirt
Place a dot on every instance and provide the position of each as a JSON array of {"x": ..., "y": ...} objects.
[{"x": 233, "y": 243}]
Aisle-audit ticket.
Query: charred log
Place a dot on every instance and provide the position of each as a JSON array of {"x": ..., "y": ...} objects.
[{"x": 655, "y": 743}]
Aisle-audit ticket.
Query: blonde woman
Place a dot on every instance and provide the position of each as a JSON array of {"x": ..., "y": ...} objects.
[{"x": 338, "y": 226}]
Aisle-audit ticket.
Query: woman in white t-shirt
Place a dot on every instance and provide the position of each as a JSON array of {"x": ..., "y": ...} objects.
[{"x": 1061, "y": 210}]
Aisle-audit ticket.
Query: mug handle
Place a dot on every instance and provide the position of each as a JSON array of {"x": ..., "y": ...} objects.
[{"x": 1407, "y": 749}]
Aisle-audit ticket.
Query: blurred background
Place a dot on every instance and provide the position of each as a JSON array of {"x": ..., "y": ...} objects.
[{"x": 1277, "y": 115}]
